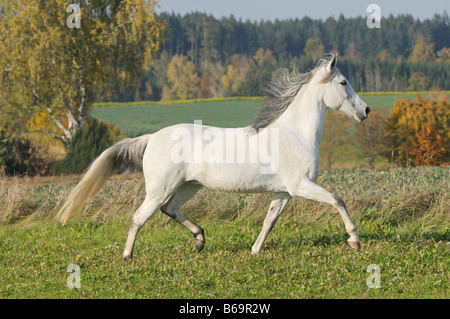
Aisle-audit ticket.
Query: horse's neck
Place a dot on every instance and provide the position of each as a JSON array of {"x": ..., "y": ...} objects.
[{"x": 305, "y": 117}]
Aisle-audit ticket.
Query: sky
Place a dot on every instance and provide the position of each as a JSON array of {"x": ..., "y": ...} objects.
[{"x": 256, "y": 10}]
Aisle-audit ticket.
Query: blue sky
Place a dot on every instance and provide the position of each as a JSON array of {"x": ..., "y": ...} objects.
[{"x": 316, "y": 9}]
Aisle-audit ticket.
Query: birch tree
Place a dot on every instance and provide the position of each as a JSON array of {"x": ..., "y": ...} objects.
[{"x": 53, "y": 56}]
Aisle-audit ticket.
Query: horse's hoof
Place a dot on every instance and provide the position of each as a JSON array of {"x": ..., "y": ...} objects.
[
  {"x": 127, "y": 257},
  {"x": 255, "y": 253},
  {"x": 199, "y": 241},
  {"x": 355, "y": 245},
  {"x": 199, "y": 244}
]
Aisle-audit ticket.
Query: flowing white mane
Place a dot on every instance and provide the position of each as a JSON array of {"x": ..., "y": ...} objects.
[{"x": 282, "y": 91}]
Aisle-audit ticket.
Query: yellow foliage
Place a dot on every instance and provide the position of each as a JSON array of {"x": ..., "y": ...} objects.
[
  {"x": 419, "y": 130},
  {"x": 314, "y": 49},
  {"x": 423, "y": 51},
  {"x": 46, "y": 63},
  {"x": 262, "y": 56},
  {"x": 237, "y": 72},
  {"x": 42, "y": 120},
  {"x": 227, "y": 79},
  {"x": 182, "y": 80},
  {"x": 444, "y": 55}
]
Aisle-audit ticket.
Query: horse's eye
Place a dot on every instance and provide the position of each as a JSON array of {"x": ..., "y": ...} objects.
[{"x": 343, "y": 82}]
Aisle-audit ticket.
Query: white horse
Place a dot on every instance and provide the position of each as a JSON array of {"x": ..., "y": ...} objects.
[{"x": 293, "y": 117}]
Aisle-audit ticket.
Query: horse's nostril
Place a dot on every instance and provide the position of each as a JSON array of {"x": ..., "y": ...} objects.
[{"x": 367, "y": 110}]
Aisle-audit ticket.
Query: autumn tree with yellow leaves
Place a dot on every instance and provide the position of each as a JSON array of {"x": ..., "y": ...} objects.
[
  {"x": 182, "y": 80},
  {"x": 417, "y": 132},
  {"x": 423, "y": 50},
  {"x": 50, "y": 64},
  {"x": 314, "y": 49}
]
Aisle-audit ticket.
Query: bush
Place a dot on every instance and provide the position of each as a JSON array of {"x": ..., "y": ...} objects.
[
  {"x": 418, "y": 132},
  {"x": 20, "y": 155},
  {"x": 86, "y": 145}
]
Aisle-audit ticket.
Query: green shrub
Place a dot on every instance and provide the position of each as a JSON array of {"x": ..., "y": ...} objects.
[{"x": 86, "y": 145}]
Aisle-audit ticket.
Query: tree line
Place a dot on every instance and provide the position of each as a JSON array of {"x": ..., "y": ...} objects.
[
  {"x": 230, "y": 57},
  {"x": 203, "y": 37}
]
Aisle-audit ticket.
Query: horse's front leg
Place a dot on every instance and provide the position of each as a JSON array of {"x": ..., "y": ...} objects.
[
  {"x": 276, "y": 207},
  {"x": 310, "y": 190}
]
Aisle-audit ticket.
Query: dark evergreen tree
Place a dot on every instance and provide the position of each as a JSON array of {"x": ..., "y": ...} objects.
[{"x": 86, "y": 145}]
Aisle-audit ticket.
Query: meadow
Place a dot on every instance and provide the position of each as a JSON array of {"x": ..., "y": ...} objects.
[
  {"x": 139, "y": 118},
  {"x": 402, "y": 217}
]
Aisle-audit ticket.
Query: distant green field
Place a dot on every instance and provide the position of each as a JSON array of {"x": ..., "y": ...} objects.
[
  {"x": 385, "y": 100},
  {"x": 148, "y": 117},
  {"x": 139, "y": 119}
]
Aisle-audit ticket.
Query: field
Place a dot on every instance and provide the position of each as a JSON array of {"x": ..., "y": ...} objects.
[
  {"x": 147, "y": 117},
  {"x": 139, "y": 118},
  {"x": 402, "y": 217}
]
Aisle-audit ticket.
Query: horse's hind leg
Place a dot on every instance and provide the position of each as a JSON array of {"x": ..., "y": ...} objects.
[
  {"x": 144, "y": 212},
  {"x": 172, "y": 209}
]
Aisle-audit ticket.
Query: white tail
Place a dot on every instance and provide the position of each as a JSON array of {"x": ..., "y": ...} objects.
[{"x": 127, "y": 153}]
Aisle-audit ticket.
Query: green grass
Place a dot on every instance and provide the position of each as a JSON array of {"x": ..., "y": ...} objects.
[
  {"x": 385, "y": 100},
  {"x": 297, "y": 263},
  {"x": 148, "y": 118},
  {"x": 402, "y": 217}
]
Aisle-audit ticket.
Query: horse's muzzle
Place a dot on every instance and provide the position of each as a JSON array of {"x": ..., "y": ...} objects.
[{"x": 362, "y": 117}]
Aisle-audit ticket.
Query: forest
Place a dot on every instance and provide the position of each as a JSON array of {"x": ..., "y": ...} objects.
[{"x": 203, "y": 56}]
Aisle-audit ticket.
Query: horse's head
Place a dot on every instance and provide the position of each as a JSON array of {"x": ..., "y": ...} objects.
[{"x": 338, "y": 94}]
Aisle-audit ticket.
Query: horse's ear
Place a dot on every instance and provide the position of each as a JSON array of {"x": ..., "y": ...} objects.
[{"x": 332, "y": 63}]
